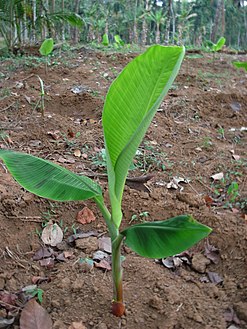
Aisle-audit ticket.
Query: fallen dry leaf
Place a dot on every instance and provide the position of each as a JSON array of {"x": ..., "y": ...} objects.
[
  {"x": 99, "y": 255},
  {"x": 231, "y": 316},
  {"x": 174, "y": 183},
  {"x": 104, "y": 264},
  {"x": 71, "y": 133},
  {"x": 8, "y": 300},
  {"x": 34, "y": 316},
  {"x": 52, "y": 234},
  {"x": 81, "y": 235},
  {"x": 208, "y": 200},
  {"x": 236, "y": 157},
  {"x": 68, "y": 254},
  {"x": 47, "y": 262},
  {"x": 40, "y": 279},
  {"x": 212, "y": 253},
  {"x": 66, "y": 160},
  {"x": 217, "y": 176},
  {"x": 54, "y": 134},
  {"x": 43, "y": 252},
  {"x": 5, "y": 323},
  {"x": 85, "y": 216},
  {"x": 215, "y": 278}
]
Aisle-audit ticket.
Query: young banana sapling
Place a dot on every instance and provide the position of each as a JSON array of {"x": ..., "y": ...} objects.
[
  {"x": 130, "y": 106},
  {"x": 45, "y": 50}
]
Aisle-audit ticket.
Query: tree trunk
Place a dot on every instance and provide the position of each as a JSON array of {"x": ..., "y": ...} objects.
[
  {"x": 168, "y": 24},
  {"x": 135, "y": 33},
  {"x": 144, "y": 24},
  {"x": 63, "y": 29},
  {"x": 33, "y": 30},
  {"x": 217, "y": 17},
  {"x": 75, "y": 31},
  {"x": 157, "y": 34}
]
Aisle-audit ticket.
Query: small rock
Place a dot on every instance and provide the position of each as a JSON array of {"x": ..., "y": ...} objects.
[
  {"x": 77, "y": 325},
  {"x": 64, "y": 284},
  {"x": 199, "y": 263},
  {"x": 102, "y": 326},
  {"x": 241, "y": 310},
  {"x": 89, "y": 245},
  {"x": 156, "y": 302},
  {"x": 59, "y": 325},
  {"x": 233, "y": 327},
  {"x": 55, "y": 303},
  {"x": 77, "y": 285},
  {"x": 198, "y": 318},
  {"x": 153, "y": 316},
  {"x": 144, "y": 195}
]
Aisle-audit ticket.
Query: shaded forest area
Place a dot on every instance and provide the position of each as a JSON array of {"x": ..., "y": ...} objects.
[{"x": 195, "y": 23}]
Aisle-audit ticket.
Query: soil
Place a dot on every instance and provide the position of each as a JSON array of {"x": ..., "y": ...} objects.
[{"x": 199, "y": 131}]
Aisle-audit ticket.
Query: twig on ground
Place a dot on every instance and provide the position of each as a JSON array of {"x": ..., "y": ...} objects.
[
  {"x": 26, "y": 78},
  {"x": 209, "y": 188},
  {"x": 6, "y": 108},
  {"x": 36, "y": 219},
  {"x": 138, "y": 179}
]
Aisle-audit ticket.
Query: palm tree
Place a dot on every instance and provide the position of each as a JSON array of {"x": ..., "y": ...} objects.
[{"x": 159, "y": 19}]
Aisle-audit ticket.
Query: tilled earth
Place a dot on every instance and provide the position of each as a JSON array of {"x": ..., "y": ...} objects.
[{"x": 199, "y": 131}]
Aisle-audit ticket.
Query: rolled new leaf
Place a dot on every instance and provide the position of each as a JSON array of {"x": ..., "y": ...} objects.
[
  {"x": 48, "y": 180},
  {"x": 164, "y": 238}
]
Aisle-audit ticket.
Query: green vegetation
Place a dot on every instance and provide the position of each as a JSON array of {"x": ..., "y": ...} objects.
[
  {"x": 126, "y": 118},
  {"x": 122, "y": 23},
  {"x": 240, "y": 65}
]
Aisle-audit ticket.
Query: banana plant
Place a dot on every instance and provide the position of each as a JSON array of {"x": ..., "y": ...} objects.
[{"x": 130, "y": 106}]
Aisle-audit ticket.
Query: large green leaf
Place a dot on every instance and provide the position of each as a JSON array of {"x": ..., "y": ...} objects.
[
  {"x": 47, "y": 179},
  {"x": 165, "y": 238},
  {"x": 131, "y": 103},
  {"x": 46, "y": 47}
]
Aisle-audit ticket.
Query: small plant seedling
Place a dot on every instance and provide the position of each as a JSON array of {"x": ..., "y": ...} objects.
[
  {"x": 218, "y": 45},
  {"x": 232, "y": 191},
  {"x": 130, "y": 106},
  {"x": 45, "y": 49},
  {"x": 221, "y": 131},
  {"x": 105, "y": 40},
  {"x": 34, "y": 291},
  {"x": 118, "y": 41}
]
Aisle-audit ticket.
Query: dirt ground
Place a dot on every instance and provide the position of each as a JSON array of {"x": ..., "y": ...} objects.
[{"x": 199, "y": 131}]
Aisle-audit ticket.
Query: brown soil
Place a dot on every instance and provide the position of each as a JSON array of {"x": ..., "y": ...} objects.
[{"x": 191, "y": 136}]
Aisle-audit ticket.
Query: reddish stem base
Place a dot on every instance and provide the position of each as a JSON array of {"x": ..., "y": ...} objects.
[{"x": 118, "y": 309}]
